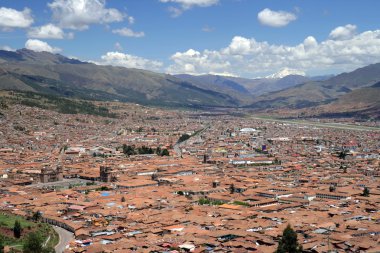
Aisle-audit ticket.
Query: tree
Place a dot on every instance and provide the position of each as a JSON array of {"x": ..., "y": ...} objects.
[
  {"x": 154, "y": 176},
  {"x": 365, "y": 192},
  {"x": 332, "y": 188},
  {"x": 123, "y": 199},
  {"x": 17, "y": 229},
  {"x": 37, "y": 216},
  {"x": 33, "y": 243},
  {"x": 342, "y": 154},
  {"x": 288, "y": 242},
  {"x": 343, "y": 167},
  {"x": 1, "y": 244},
  {"x": 183, "y": 138},
  {"x": 277, "y": 161},
  {"x": 128, "y": 150},
  {"x": 165, "y": 152},
  {"x": 232, "y": 188}
]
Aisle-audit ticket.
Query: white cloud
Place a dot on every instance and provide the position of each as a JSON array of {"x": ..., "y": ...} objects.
[
  {"x": 128, "y": 32},
  {"x": 40, "y": 46},
  {"x": 175, "y": 12},
  {"x": 48, "y": 31},
  {"x": 131, "y": 20},
  {"x": 129, "y": 61},
  {"x": 275, "y": 18},
  {"x": 187, "y": 4},
  {"x": 343, "y": 32},
  {"x": 11, "y": 18},
  {"x": 7, "y": 48},
  {"x": 207, "y": 29},
  {"x": 79, "y": 14},
  {"x": 118, "y": 46},
  {"x": 250, "y": 58}
]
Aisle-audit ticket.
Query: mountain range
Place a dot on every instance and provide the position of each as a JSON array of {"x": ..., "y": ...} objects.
[
  {"x": 54, "y": 74},
  {"x": 43, "y": 72}
]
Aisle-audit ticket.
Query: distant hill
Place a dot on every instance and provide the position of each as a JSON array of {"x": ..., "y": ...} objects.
[
  {"x": 244, "y": 89},
  {"x": 359, "y": 103},
  {"x": 315, "y": 93},
  {"x": 221, "y": 84},
  {"x": 55, "y": 74}
]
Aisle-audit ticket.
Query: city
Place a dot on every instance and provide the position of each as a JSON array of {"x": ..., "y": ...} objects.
[
  {"x": 233, "y": 185},
  {"x": 204, "y": 126}
]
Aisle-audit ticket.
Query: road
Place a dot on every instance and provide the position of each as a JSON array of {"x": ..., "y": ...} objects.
[
  {"x": 319, "y": 124},
  {"x": 64, "y": 238},
  {"x": 177, "y": 147}
]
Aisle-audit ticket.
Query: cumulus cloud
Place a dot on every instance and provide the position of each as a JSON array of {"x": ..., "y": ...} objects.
[
  {"x": 343, "y": 32},
  {"x": 79, "y": 14},
  {"x": 48, "y": 31},
  {"x": 275, "y": 18},
  {"x": 11, "y": 18},
  {"x": 41, "y": 46},
  {"x": 7, "y": 48},
  {"x": 251, "y": 58},
  {"x": 129, "y": 61},
  {"x": 187, "y": 4},
  {"x": 128, "y": 32}
]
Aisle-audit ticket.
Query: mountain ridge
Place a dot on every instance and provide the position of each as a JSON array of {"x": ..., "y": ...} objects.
[{"x": 55, "y": 74}]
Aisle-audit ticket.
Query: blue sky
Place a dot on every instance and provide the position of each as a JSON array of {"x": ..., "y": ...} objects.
[{"x": 246, "y": 38}]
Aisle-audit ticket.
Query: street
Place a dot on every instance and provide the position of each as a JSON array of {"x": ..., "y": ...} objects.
[{"x": 64, "y": 238}]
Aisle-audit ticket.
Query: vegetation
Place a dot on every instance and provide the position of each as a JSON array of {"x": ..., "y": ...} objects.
[
  {"x": 203, "y": 201},
  {"x": 17, "y": 230},
  {"x": 1, "y": 244},
  {"x": 132, "y": 150},
  {"x": 61, "y": 105},
  {"x": 123, "y": 199},
  {"x": 34, "y": 244},
  {"x": 277, "y": 161},
  {"x": 102, "y": 188},
  {"x": 232, "y": 188},
  {"x": 165, "y": 152},
  {"x": 365, "y": 192},
  {"x": 36, "y": 216},
  {"x": 240, "y": 203},
  {"x": 342, "y": 155},
  {"x": 288, "y": 242},
  {"x": 8, "y": 221},
  {"x": 183, "y": 138},
  {"x": 3, "y": 104}
]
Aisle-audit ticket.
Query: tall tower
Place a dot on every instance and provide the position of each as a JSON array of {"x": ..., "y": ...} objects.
[
  {"x": 105, "y": 173},
  {"x": 59, "y": 172},
  {"x": 44, "y": 176}
]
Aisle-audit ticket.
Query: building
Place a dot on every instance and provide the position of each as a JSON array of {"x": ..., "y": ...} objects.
[{"x": 49, "y": 175}]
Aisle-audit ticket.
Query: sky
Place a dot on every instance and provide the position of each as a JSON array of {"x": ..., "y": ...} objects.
[{"x": 246, "y": 38}]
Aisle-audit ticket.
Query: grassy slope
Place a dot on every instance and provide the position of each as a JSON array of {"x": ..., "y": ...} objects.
[
  {"x": 7, "y": 222},
  {"x": 59, "y": 104},
  {"x": 90, "y": 81}
]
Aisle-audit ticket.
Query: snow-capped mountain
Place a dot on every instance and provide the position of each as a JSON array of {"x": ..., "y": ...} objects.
[{"x": 286, "y": 72}]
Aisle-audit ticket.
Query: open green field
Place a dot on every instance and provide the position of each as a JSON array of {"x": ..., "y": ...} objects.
[{"x": 7, "y": 221}]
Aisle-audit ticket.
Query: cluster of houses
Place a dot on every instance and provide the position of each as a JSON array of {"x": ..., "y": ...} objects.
[{"x": 232, "y": 187}]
